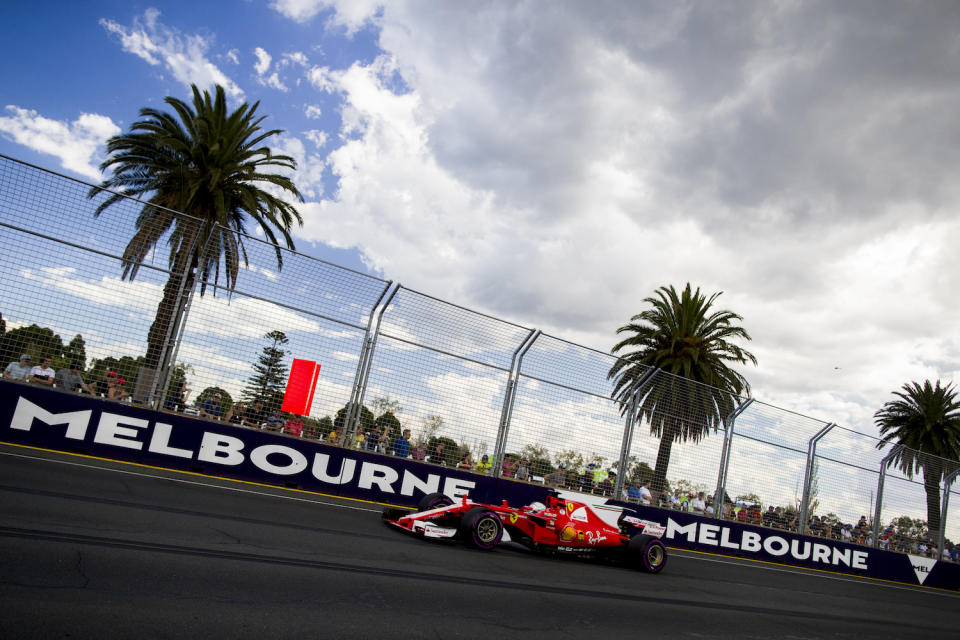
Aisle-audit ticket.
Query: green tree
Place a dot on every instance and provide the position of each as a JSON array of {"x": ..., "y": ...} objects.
[
  {"x": 34, "y": 340},
  {"x": 925, "y": 419},
  {"x": 382, "y": 404},
  {"x": 366, "y": 418},
  {"x": 211, "y": 164},
  {"x": 681, "y": 335},
  {"x": 226, "y": 400},
  {"x": 389, "y": 424},
  {"x": 539, "y": 459},
  {"x": 269, "y": 377},
  {"x": 76, "y": 351}
]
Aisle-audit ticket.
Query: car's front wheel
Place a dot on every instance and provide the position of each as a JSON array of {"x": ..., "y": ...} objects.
[
  {"x": 434, "y": 501},
  {"x": 481, "y": 529}
]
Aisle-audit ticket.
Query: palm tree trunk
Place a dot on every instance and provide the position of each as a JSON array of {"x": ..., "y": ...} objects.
[
  {"x": 166, "y": 323},
  {"x": 667, "y": 437}
]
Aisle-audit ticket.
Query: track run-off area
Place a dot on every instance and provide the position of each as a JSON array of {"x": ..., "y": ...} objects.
[{"x": 92, "y": 548}]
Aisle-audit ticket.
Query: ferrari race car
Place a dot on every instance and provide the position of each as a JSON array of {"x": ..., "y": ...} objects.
[{"x": 561, "y": 527}]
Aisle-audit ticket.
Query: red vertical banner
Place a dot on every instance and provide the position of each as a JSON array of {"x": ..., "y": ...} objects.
[{"x": 300, "y": 387}]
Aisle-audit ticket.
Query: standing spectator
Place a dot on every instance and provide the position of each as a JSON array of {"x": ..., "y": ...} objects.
[
  {"x": 419, "y": 452},
  {"x": 586, "y": 479},
  {"x": 633, "y": 492},
  {"x": 274, "y": 422},
  {"x": 177, "y": 400},
  {"x": 438, "y": 456},
  {"x": 71, "y": 380},
  {"x": 484, "y": 465},
  {"x": 466, "y": 462},
  {"x": 293, "y": 426},
  {"x": 698, "y": 506},
  {"x": 769, "y": 516},
  {"x": 211, "y": 407},
  {"x": 372, "y": 440},
  {"x": 19, "y": 370},
  {"x": 255, "y": 415},
  {"x": 401, "y": 446},
  {"x": 522, "y": 472},
  {"x": 42, "y": 373},
  {"x": 115, "y": 387},
  {"x": 235, "y": 415},
  {"x": 606, "y": 485},
  {"x": 556, "y": 478},
  {"x": 645, "y": 496},
  {"x": 506, "y": 469}
]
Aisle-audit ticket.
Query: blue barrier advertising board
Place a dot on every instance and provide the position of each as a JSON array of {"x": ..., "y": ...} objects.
[{"x": 75, "y": 423}]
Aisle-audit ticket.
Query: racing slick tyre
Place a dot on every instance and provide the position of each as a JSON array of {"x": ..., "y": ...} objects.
[
  {"x": 434, "y": 501},
  {"x": 481, "y": 529},
  {"x": 647, "y": 553}
]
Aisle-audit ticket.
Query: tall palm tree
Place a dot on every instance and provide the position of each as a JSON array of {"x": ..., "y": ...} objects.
[
  {"x": 926, "y": 420},
  {"x": 209, "y": 163},
  {"x": 681, "y": 335}
]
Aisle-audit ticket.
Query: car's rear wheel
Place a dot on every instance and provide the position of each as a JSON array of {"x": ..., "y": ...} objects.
[
  {"x": 647, "y": 553},
  {"x": 481, "y": 529},
  {"x": 434, "y": 501}
]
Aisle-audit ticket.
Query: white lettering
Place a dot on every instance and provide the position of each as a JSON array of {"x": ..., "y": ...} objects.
[
  {"x": 795, "y": 552},
  {"x": 751, "y": 541},
  {"x": 859, "y": 560},
  {"x": 377, "y": 474},
  {"x": 708, "y": 534},
  {"x": 220, "y": 449},
  {"x": 321, "y": 463},
  {"x": 260, "y": 455},
  {"x": 821, "y": 553},
  {"x": 26, "y": 412},
  {"x": 841, "y": 555},
  {"x": 673, "y": 528},
  {"x": 458, "y": 488},
  {"x": 725, "y": 539},
  {"x": 160, "y": 442},
  {"x": 113, "y": 432},
  {"x": 411, "y": 482},
  {"x": 776, "y": 541}
]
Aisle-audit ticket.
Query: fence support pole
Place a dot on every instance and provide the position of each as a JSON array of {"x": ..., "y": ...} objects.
[
  {"x": 506, "y": 413},
  {"x": 728, "y": 425},
  {"x": 878, "y": 507},
  {"x": 808, "y": 477},
  {"x": 351, "y": 421},
  {"x": 944, "y": 504},
  {"x": 628, "y": 427}
]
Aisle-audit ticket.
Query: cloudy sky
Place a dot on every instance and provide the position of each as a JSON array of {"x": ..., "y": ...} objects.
[{"x": 554, "y": 163}]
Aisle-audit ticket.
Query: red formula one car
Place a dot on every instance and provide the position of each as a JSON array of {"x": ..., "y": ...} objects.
[{"x": 562, "y": 527}]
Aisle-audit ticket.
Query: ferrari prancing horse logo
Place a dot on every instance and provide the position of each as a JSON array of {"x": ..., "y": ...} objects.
[{"x": 513, "y": 518}]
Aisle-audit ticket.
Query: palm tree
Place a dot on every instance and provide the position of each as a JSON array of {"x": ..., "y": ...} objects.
[
  {"x": 682, "y": 336},
  {"x": 926, "y": 420},
  {"x": 210, "y": 164}
]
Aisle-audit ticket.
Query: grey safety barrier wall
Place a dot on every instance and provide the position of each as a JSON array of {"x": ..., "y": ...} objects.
[
  {"x": 74, "y": 423},
  {"x": 698, "y": 533}
]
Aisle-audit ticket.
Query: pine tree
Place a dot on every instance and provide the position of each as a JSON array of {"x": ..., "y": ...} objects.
[
  {"x": 76, "y": 351},
  {"x": 270, "y": 374}
]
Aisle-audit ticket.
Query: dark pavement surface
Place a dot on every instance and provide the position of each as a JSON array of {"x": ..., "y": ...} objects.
[{"x": 94, "y": 549}]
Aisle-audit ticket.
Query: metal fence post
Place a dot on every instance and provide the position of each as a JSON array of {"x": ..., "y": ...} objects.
[
  {"x": 168, "y": 358},
  {"x": 354, "y": 411},
  {"x": 944, "y": 504},
  {"x": 628, "y": 427},
  {"x": 506, "y": 413},
  {"x": 878, "y": 508},
  {"x": 362, "y": 359},
  {"x": 808, "y": 477},
  {"x": 728, "y": 424}
]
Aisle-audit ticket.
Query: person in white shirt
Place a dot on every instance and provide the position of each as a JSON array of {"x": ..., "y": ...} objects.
[
  {"x": 645, "y": 496},
  {"x": 43, "y": 373},
  {"x": 698, "y": 505}
]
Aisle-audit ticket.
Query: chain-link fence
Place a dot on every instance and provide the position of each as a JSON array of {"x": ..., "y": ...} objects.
[{"x": 119, "y": 312}]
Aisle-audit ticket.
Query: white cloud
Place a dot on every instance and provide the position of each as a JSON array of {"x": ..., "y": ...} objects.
[
  {"x": 349, "y": 14},
  {"x": 316, "y": 136},
  {"x": 233, "y": 56},
  {"x": 263, "y": 61},
  {"x": 558, "y": 166},
  {"x": 185, "y": 56},
  {"x": 312, "y": 111},
  {"x": 77, "y": 144}
]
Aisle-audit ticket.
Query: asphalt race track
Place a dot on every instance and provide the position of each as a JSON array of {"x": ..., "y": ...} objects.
[{"x": 95, "y": 549}]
